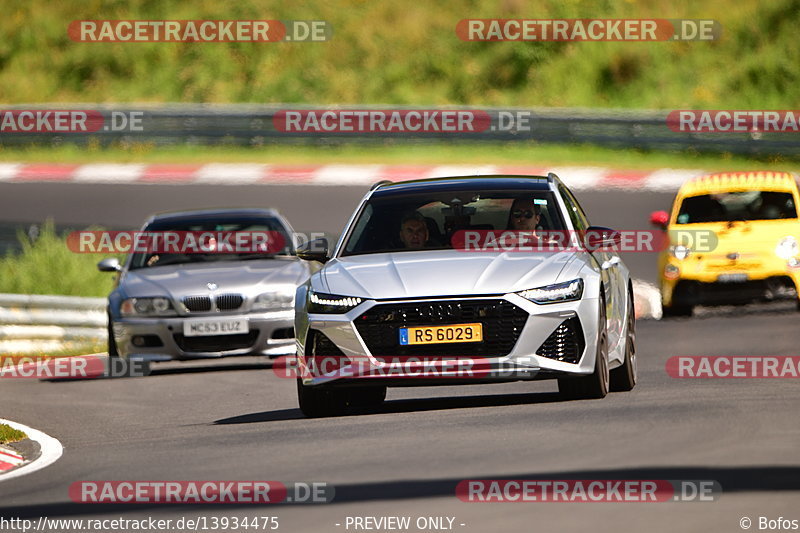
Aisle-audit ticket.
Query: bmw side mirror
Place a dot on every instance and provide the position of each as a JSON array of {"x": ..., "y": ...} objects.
[
  {"x": 109, "y": 265},
  {"x": 660, "y": 219},
  {"x": 316, "y": 250}
]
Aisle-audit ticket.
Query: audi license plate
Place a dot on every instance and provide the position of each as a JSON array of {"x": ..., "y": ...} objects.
[{"x": 441, "y": 334}]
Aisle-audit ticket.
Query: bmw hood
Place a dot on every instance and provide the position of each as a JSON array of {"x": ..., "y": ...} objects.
[
  {"x": 245, "y": 277},
  {"x": 440, "y": 273}
]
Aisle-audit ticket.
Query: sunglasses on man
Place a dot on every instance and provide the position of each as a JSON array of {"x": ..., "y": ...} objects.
[{"x": 519, "y": 213}]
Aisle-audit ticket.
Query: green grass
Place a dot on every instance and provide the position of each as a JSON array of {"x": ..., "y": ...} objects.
[
  {"x": 67, "y": 349},
  {"x": 484, "y": 153},
  {"x": 48, "y": 266},
  {"x": 399, "y": 52},
  {"x": 9, "y": 434}
]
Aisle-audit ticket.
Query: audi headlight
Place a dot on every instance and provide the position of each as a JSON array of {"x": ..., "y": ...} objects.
[
  {"x": 275, "y": 300},
  {"x": 680, "y": 251},
  {"x": 786, "y": 248},
  {"x": 156, "y": 306},
  {"x": 330, "y": 303},
  {"x": 559, "y": 292}
]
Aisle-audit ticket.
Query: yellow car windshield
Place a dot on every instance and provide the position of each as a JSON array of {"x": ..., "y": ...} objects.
[{"x": 731, "y": 206}]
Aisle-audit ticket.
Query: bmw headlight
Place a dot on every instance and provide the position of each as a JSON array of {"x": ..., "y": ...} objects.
[
  {"x": 680, "y": 251},
  {"x": 330, "y": 303},
  {"x": 559, "y": 292},
  {"x": 787, "y": 248},
  {"x": 275, "y": 300},
  {"x": 156, "y": 306}
]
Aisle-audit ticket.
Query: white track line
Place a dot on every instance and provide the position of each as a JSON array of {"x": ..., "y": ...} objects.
[
  {"x": 669, "y": 179},
  {"x": 647, "y": 299},
  {"x": 347, "y": 175},
  {"x": 580, "y": 178},
  {"x": 108, "y": 173},
  {"x": 460, "y": 170},
  {"x": 231, "y": 173},
  {"x": 51, "y": 451},
  {"x": 9, "y": 170}
]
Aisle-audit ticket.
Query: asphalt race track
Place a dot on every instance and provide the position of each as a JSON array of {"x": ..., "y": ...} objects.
[
  {"x": 235, "y": 419},
  {"x": 308, "y": 208}
]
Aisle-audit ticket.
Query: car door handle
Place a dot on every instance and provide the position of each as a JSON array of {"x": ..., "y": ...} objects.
[{"x": 610, "y": 263}]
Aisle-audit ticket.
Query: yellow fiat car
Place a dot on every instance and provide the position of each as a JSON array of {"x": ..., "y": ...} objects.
[{"x": 732, "y": 239}]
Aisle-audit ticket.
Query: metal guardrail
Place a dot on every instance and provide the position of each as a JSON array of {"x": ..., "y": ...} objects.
[
  {"x": 253, "y": 125},
  {"x": 32, "y": 323}
]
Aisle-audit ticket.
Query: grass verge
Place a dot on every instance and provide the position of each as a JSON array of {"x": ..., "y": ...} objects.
[
  {"x": 441, "y": 153},
  {"x": 9, "y": 434},
  {"x": 68, "y": 349},
  {"x": 46, "y": 266}
]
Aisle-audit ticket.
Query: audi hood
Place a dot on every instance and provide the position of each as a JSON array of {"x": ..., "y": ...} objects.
[{"x": 445, "y": 272}]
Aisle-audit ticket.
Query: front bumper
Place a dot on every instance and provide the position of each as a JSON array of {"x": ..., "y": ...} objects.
[
  {"x": 357, "y": 362},
  {"x": 695, "y": 285},
  {"x": 161, "y": 339}
]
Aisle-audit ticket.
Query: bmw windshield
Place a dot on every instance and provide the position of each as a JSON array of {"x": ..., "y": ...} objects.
[{"x": 193, "y": 240}]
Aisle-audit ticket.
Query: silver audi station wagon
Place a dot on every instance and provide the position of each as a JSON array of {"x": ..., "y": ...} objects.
[{"x": 414, "y": 293}]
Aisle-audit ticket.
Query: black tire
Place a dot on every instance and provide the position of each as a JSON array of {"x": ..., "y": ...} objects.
[
  {"x": 366, "y": 396},
  {"x": 316, "y": 402},
  {"x": 320, "y": 401},
  {"x": 595, "y": 385},
  {"x": 676, "y": 310},
  {"x": 112, "y": 344},
  {"x": 623, "y": 378}
]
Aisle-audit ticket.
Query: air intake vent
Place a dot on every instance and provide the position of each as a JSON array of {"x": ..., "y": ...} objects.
[{"x": 565, "y": 344}]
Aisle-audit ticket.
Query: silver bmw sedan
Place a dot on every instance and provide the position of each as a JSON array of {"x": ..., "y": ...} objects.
[{"x": 206, "y": 284}]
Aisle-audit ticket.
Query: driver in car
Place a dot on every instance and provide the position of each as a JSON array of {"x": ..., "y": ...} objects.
[
  {"x": 524, "y": 216},
  {"x": 414, "y": 231},
  {"x": 523, "y": 220}
]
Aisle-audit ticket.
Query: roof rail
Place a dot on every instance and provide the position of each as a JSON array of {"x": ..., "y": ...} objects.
[
  {"x": 551, "y": 177},
  {"x": 379, "y": 183}
]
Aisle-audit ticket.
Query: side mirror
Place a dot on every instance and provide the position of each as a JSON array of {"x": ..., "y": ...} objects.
[
  {"x": 659, "y": 219},
  {"x": 316, "y": 250},
  {"x": 109, "y": 265},
  {"x": 598, "y": 237}
]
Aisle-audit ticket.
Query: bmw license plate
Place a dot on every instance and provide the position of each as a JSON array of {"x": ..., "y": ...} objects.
[
  {"x": 732, "y": 278},
  {"x": 205, "y": 327},
  {"x": 441, "y": 334}
]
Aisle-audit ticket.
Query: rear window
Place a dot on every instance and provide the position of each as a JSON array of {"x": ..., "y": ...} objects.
[{"x": 732, "y": 206}]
